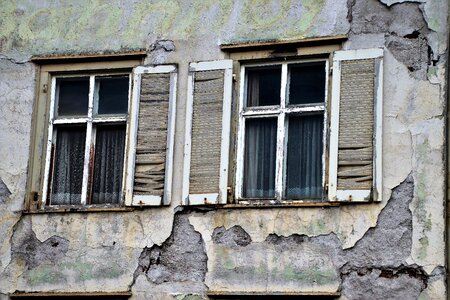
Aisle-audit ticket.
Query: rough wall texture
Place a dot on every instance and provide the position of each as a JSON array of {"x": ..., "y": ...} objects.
[{"x": 394, "y": 249}]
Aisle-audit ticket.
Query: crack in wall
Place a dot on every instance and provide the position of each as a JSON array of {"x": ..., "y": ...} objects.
[
  {"x": 182, "y": 257},
  {"x": 27, "y": 247},
  {"x": 404, "y": 27},
  {"x": 374, "y": 267}
]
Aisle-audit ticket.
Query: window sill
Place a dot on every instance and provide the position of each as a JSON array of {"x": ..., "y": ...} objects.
[
  {"x": 263, "y": 295},
  {"x": 267, "y": 204},
  {"x": 79, "y": 209}
]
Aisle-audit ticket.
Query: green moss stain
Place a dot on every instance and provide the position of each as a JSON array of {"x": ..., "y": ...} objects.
[
  {"x": 45, "y": 274},
  {"x": 316, "y": 275},
  {"x": 82, "y": 271},
  {"x": 420, "y": 211}
]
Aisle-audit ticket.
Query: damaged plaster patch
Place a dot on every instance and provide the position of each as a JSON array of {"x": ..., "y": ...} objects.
[
  {"x": 301, "y": 262},
  {"x": 383, "y": 284},
  {"x": 180, "y": 258},
  {"x": 389, "y": 243},
  {"x": 236, "y": 236},
  {"x": 4, "y": 191},
  {"x": 159, "y": 51},
  {"x": 391, "y": 2},
  {"x": 405, "y": 29},
  {"x": 26, "y": 246}
]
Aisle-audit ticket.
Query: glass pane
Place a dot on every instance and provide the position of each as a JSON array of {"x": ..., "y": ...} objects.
[
  {"x": 68, "y": 165},
  {"x": 113, "y": 95},
  {"x": 304, "y": 157},
  {"x": 108, "y": 164},
  {"x": 260, "y": 158},
  {"x": 307, "y": 83},
  {"x": 263, "y": 86},
  {"x": 73, "y": 96}
]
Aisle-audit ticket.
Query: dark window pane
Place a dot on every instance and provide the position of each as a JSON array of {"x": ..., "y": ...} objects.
[
  {"x": 304, "y": 157},
  {"x": 113, "y": 95},
  {"x": 68, "y": 165},
  {"x": 108, "y": 164},
  {"x": 260, "y": 158},
  {"x": 307, "y": 83},
  {"x": 263, "y": 86},
  {"x": 73, "y": 96}
]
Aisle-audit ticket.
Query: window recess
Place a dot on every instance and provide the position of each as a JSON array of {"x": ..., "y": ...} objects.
[
  {"x": 86, "y": 139},
  {"x": 282, "y": 131}
]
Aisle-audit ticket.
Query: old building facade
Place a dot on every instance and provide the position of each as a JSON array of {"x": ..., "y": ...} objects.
[{"x": 224, "y": 149}]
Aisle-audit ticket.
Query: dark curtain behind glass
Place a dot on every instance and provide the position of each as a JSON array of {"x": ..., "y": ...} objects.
[
  {"x": 68, "y": 165},
  {"x": 304, "y": 157},
  {"x": 108, "y": 164},
  {"x": 260, "y": 158}
]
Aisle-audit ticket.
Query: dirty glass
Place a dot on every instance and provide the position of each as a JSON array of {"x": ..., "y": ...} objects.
[
  {"x": 108, "y": 164},
  {"x": 263, "y": 86},
  {"x": 73, "y": 96},
  {"x": 112, "y": 95},
  {"x": 307, "y": 83},
  {"x": 68, "y": 165},
  {"x": 260, "y": 158},
  {"x": 304, "y": 157}
]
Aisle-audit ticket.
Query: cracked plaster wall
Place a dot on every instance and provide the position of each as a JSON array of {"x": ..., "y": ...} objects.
[{"x": 318, "y": 249}]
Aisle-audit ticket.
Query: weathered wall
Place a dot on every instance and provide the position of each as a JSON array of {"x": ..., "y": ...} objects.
[{"x": 389, "y": 250}]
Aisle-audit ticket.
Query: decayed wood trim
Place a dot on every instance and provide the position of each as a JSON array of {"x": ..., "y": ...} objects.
[
  {"x": 208, "y": 198},
  {"x": 88, "y": 57},
  {"x": 357, "y": 195},
  {"x": 48, "y": 156},
  {"x": 88, "y": 144},
  {"x": 272, "y": 293},
  {"x": 70, "y": 294},
  {"x": 272, "y": 44},
  {"x": 150, "y": 200},
  {"x": 78, "y": 209}
]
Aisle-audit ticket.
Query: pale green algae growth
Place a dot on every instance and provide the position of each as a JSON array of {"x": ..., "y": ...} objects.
[
  {"x": 56, "y": 273},
  {"x": 84, "y": 26}
]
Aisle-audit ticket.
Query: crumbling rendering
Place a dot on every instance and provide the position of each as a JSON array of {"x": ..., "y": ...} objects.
[{"x": 394, "y": 247}]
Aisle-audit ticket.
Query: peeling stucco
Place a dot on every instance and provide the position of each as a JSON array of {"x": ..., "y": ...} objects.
[{"x": 392, "y": 249}]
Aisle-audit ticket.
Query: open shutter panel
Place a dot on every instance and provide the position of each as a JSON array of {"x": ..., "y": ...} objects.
[
  {"x": 152, "y": 123},
  {"x": 356, "y": 124},
  {"x": 207, "y": 133}
]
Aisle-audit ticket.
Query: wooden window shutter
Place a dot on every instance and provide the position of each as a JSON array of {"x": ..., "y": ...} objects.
[
  {"x": 355, "y": 159},
  {"x": 207, "y": 141},
  {"x": 151, "y": 136}
]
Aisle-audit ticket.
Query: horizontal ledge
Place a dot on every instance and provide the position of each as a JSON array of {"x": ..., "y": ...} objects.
[
  {"x": 273, "y": 293},
  {"x": 78, "y": 210},
  {"x": 70, "y": 294},
  {"x": 281, "y": 205},
  {"x": 274, "y": 43},
  {"x": 88, "y": 57}
]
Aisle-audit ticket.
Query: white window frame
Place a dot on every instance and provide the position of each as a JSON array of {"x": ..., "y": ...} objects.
[
  {"x": 280, "y": 113},
  {"x": 89, "y": 120}
]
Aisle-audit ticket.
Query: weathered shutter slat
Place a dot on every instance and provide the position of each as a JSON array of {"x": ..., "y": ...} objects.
[
  {"x": 207, "y": 135},
  {"x": 355, "y": 133},
  {"x": 151, "y": 136}
]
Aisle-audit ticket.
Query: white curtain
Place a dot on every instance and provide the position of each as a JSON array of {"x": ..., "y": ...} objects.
[
  {"x": 68, "y": 165},
  {"x": 108, "y": 164}
]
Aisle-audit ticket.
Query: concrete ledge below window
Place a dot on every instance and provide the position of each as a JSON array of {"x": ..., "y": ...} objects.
[
  {"x": 271, "y": 295},
  {"x": 78, "y": 209}
]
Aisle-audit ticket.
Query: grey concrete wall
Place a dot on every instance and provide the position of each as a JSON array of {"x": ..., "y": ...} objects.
[{"x": 394, "y": 249}]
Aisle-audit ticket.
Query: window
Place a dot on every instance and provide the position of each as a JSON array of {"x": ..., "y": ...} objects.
[
  {"x": 87, "y": 129},
  {"x": 103, "y": 135},
  {"x": 281, "y": 130}
]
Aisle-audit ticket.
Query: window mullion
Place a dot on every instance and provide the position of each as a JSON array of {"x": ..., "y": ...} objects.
[
  {"x": 89, "y": 144},
  {"x": 279, "y": 168}
]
